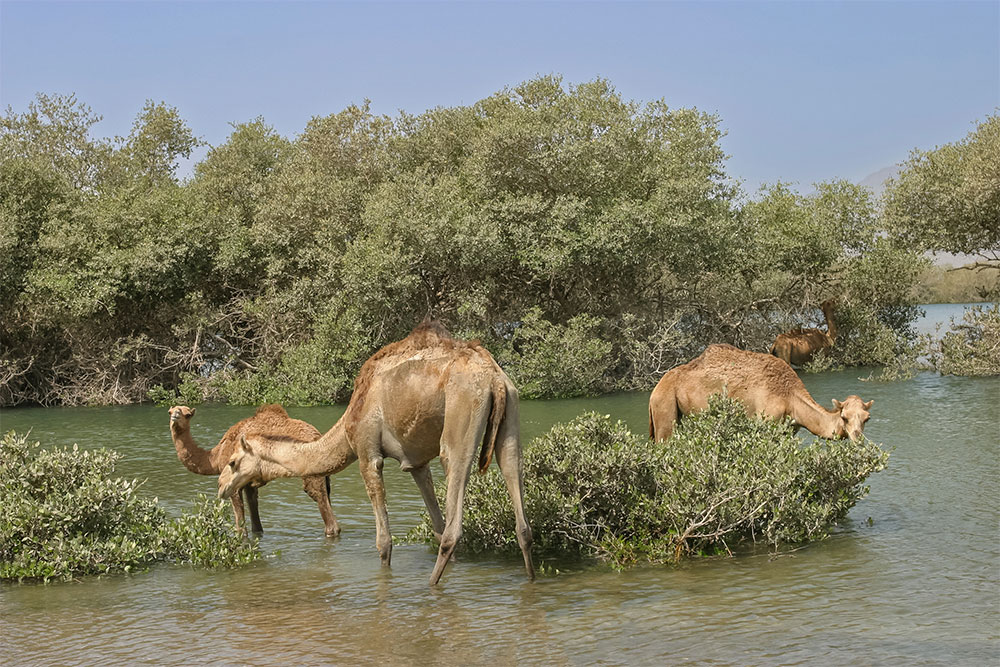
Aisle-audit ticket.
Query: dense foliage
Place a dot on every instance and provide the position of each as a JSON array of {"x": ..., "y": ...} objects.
[
  {"x": 595, "y": 489},
  {"x": 64, "y": 514},
  {"x": 948, "y": 198},
  {"x": 590, "y": 241}
]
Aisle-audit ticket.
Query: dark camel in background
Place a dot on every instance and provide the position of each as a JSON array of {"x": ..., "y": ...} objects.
[
  {"x": 268, "y": 419},
  {"x": 763, "y": 384},
  {"x": 425, "y": 396},
  {"x": 798, "y": 346}
]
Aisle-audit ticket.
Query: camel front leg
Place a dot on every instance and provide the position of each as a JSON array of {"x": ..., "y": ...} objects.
[
  {"x": 371, "y": 472},
  {"x": 251, "y": 494},
  {"x": 237, "y": 500},
  {"x": 422, "y": 477},
  {"x": 318, "y": 488}
]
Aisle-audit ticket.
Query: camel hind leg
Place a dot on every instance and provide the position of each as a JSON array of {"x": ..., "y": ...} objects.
[
  {"x": 464, "y": 426},
  {"x": 508, "y": 455},
  {"x": 318, "y": 488},
  {"x": 663, "y": 412}
]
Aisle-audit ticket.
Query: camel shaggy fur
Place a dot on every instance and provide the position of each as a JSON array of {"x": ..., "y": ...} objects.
[
  {"x": 763, "y": 384},
  {"x": 425, "y": 396},
  {"x": 268, "y": 419},
  {"x": 798, "y": 346}
]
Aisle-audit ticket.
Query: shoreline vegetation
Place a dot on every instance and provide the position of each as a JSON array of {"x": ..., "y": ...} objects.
[
  {"x": 589, "y": 241},
  {"x": 594, "y": 491},
  {"x": 63, "y": 514}
]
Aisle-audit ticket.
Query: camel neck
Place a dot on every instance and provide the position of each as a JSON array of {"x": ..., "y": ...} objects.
[
  {"x": 831, "y": 327},
  {"x": 195, "y": 458},
  {"x": 815, "y": 418},
  {"x": 328, "y": 455}
]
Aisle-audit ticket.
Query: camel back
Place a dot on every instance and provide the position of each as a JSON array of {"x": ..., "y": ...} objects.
[
  {"x": 427, "y": 334},
  {"x": 271, "y": 408},
  {"x": 270, "y": 421},
  {"x": 726, "y": 361}
]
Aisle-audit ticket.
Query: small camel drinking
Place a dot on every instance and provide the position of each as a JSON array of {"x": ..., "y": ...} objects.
[
  {"x": 799, "y": 345},
  {"x": 764, "y": 384},
  {"x": 268, "y": 419},
  {"x": 425, "y": 396}
]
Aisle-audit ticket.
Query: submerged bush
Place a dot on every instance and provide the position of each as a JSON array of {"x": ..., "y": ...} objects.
[
  {"x": 972, "y": 347},
  {"x": 595, "y": 489},
  {"x": 63, "y": 513}
]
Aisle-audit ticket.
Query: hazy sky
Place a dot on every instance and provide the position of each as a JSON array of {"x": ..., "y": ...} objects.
[{"x": 807, "y": 91}]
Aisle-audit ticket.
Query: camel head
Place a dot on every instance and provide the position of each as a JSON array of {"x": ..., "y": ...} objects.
[
  {"x": 244, "y": 467},
  {"x": 180, "y": 417},
  {"x": 853, "y": 415}
]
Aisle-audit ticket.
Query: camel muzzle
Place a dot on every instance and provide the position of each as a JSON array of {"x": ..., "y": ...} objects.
[{"x": 225, "y": 490}]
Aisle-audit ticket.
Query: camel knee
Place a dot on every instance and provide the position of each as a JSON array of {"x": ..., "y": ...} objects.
[
  {"x": 450, "y": 538},
  {"x": 524, "y": 537}
]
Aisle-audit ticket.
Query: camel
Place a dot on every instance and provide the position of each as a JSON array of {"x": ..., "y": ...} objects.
[
  {"x": 763, "y": 384},
  {"x": 268, "y": 418},
  {"x": 425, "y": 396},
  {"x": 799, "y": 345}
]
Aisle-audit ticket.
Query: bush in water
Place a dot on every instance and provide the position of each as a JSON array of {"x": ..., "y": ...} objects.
[
  {"x": 595, "y": 489},
  {"x": 64, "y": 514},
  {"x": 972, "y": 347}
]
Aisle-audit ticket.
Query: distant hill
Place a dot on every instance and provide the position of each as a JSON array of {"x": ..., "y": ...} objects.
[{"x": 877, "y": 180}]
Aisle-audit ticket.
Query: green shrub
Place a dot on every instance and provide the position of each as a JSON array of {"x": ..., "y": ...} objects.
[
  {"x": 190, "y": 391},
  {"x": 63, "y": 514},
  {"x": 972, "y": 347},
  {"x": 595, "y": 489},
  {"x": 558, "y": 361}
]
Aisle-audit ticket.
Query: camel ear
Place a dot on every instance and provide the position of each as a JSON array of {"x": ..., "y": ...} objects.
[
  {"x": 869, "y": 404},
  {"x": 837, "y": 405},
  {"x": 244, "y": 445},
  {"x": 192, "y": 412}
]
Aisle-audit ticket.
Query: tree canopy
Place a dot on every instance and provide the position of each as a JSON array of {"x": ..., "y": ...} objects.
[{"x": 590, "y": 241}]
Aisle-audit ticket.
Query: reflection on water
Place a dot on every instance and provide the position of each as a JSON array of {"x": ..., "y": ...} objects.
[{"x": 920, "y": 584}]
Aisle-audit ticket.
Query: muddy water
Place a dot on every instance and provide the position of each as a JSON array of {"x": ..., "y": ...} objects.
[{"x": 917, "y": 584}]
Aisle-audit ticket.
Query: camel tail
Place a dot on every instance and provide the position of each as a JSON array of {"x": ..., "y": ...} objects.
[
  {"x": 497, "y": 413},
  {"x": 652, "y": 428}
]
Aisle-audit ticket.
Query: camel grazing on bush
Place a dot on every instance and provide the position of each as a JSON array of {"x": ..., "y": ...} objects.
[
  {"x": 765, "y": 385},
  {"x": 268, "y": 419},
  {"x": 425, "y": 396},
  {"x": 799, "y": 345}
]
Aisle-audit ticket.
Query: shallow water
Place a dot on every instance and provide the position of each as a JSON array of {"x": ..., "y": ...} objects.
[{"x": 918, "y": 584}]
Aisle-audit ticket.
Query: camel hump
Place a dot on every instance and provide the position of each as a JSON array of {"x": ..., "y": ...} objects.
[
  {"x": 497, "y": 413},
  {"x": 271, "y": 409}
]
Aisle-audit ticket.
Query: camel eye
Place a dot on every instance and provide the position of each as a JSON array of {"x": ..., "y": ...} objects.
[{"x": 232, "y": 464}]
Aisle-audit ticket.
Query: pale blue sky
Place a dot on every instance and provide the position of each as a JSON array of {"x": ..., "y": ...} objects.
[{"x": 807, "y": 91}]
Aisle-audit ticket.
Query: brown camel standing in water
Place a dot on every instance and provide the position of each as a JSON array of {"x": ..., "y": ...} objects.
[
  {"x": 799, "y": 345},
  {"x": 765, "y": 385},
  {"x": 268, "y": 419},
  {"x": 425, "y": 396}
]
